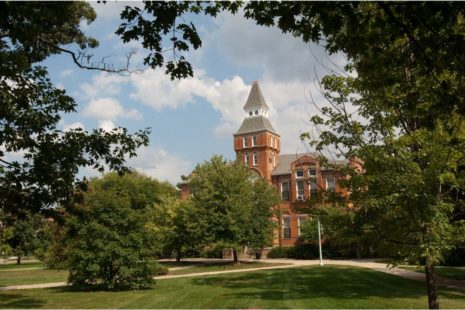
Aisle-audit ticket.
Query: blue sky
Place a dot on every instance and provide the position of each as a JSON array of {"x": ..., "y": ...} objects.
[{"x": 194, "y": 119}]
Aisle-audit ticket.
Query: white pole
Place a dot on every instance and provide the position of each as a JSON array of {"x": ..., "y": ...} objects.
[{"x": 319, "y": 242}]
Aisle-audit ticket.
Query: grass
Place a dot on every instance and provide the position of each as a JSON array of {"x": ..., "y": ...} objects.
[
  {"x": 31, "y": 265},
  {"x": 31, "y": 276},
  {"x": 309, "y": 287},
  {"x": 222, "y": 266},
  {"x": 457, "y": 273}
]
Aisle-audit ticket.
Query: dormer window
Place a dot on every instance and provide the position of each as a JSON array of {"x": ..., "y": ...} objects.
[
  {"x": 256, "y": 112},
  {"x": 299, "y": 173},
  {"x": 250, "y": 113}
]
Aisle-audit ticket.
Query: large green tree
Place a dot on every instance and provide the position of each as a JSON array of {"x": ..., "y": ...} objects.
[
  {"x": 39, "y": 161},
  {"x": 407, "y": 83},
  {"x": 231, "y": 206},
  {"x": 108, "y": 240}
]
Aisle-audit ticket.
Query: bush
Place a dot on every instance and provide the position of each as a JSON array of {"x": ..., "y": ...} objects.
[
  {"x": 161, "y": 270},
  {"x": 456, "y": 257},
  {"x": 278, "y": 252},
  {"x": 303, "y": 251}
]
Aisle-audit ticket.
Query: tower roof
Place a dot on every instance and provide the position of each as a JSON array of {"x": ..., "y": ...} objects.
[
  {"x": 256, "y": 124},
  {"x": 255, "y": 99}
]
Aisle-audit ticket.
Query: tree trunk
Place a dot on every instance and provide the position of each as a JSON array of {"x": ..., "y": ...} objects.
[
  {"x": 236, "y": 260},
  {"x": 178, "y": 255},
  {"x": 431, "y": 285},
  {"x": 18, "y": 260}
]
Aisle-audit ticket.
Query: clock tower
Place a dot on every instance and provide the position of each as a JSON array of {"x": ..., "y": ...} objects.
[{"x": 256, "y": 142}]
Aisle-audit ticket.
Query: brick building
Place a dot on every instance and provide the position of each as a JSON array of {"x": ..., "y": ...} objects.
[{"x": 295, "y": 176}]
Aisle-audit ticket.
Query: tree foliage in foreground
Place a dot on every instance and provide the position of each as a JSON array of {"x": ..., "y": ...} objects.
[
  {"x": 107, "y": 237},
  {"x": 39, "y": 161},
  {"x": 231, "y": 206}
]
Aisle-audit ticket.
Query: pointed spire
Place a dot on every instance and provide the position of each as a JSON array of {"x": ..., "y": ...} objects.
[{"x": 255, "y": 99}]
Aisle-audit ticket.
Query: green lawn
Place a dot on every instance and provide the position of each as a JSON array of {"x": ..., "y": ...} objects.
[
  {"x": 31, "y": 276},
  {"x": 222, "y": 266},
  {"x": 309, "y": 287},
  {"x": 21, "y": 266},
  {"x": 457, "y": 273}
]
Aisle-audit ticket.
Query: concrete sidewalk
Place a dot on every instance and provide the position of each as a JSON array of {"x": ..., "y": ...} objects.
[{"x": 362, "y": 263}]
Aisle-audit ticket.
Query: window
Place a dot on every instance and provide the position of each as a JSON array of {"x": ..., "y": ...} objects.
[
  {"x": 274, "y": 160},
  {"x": 330, "y": 184},
  {"x": 285, "y": 191},
  {"x": 254, "y": 141},
  {"x": 255, "y": 158},
  {"x": 245, "y": 141},
  {"x": 246, "y": 159},
  {"x": 300, "y": 220},
  {"x": 313, "y": 188},
  {"x": 250, "y": 113},
  {"x": 312, "y": 173},
  {"x": 299, "y": 173},
  {"x": 300, "y": 190},
  {"x": 286, "y": 227},
  {"x": 256, "y": 112}
]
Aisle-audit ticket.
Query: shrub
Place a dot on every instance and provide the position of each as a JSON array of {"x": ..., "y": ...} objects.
[
  {"x": 455, "y": 257},
  {"x": 303, "y": 251},
  {"x": 161, "y": 270},
  {"x": 278, "y": 252}
]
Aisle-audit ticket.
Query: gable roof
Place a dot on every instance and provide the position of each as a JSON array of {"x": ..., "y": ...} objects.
[
  {"x": 255, "y": 99},
  {"x": 256, "y": 124},
  {"x": 285, "y": 161}
]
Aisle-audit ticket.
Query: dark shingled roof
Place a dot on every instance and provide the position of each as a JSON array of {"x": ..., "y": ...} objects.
[
  {"x": 256, "y": 124},
  {"x": 255, "y": 99}
]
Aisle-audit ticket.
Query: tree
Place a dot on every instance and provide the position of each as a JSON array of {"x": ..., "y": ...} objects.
[
  {"x": 24, "y": 239},
  {"x": 107, "y": 238},
  {"x": 231, "y": 206},
  {"x": 38, "y": 161},
  {"x": 169, "y": 222},
  {"x": 407, "y": 83}
]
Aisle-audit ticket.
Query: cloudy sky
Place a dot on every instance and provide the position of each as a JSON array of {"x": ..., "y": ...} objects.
[{"x": 195, "y": 118}]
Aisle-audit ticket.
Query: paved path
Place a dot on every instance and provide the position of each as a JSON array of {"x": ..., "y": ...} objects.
[{"x": 363, "y": 263}]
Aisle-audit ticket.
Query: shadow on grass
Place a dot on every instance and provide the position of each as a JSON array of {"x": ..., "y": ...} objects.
[
  {"x": 19, "y": 301},
  {"x": 316, "y": 282}
]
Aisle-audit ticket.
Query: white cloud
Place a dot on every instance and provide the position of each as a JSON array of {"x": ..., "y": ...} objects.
[
  {"x": 109, "y": 109},
  {"x": 158, "y": 163},
  {"x": 103, "y": 85},
  {"x": 74, "y": 125},
  {"x": 281, "y": 56},
  {"x": 112, "y": 9},
  {"x": 66, "y": 72},
  {"x": 106, "y": 125}
]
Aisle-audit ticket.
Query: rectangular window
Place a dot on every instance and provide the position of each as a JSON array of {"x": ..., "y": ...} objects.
[
  {"x": 330, "y": 184},
  {"x": 246, "y": 159},
  {"x": 255, "y": 159},
  {"x": 312, "y": 173},
  {"x": 245, "y": 141},
  {"x": 286, "y": 227},
  {"x": 300, "y": 190},
  {"x": 300, "y": 220},
  {"x": 299, "y": 173},
  {"x": 254, "y": 141},
  {"x": 271, "y": 141},
  {"x": 285, "y": 191},
  {"x": 313, "y": 188}
]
